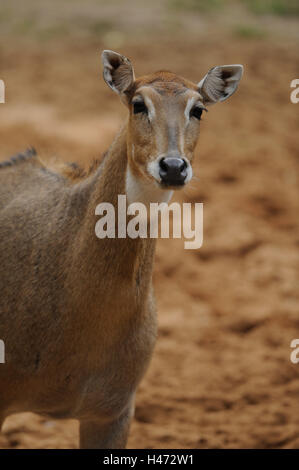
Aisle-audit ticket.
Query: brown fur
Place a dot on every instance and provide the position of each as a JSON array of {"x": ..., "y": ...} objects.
[
  {"x": 28, "y": 156},
  {"x": 164, "y": 82},
  {"x": 75, "y": 172},
  {"x": 170, "y": 94},
  {"x": 77, "y": 313},
  {"x": 58, "y": 308}
]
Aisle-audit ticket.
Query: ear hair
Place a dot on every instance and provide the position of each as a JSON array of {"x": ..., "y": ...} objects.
[
  {"x": 220, "y": 83},
  {"x": 117, "y": 71}
]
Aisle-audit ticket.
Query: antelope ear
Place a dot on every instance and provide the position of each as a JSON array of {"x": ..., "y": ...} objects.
[
  {"x": 117, "y": 71},
  {"x": 220, "y": 83}
]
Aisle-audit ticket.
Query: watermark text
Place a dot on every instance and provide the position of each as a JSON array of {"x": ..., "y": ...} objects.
[
  {"x": 2, "y": 352},
  {"x": 295, "y": 353},
  {"x": 140, "y": 221},
  {"x": 2, "y": 91},
  {"x": 295, "y": 93}
]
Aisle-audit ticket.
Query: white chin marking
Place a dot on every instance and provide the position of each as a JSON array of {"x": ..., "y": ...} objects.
[
  {"x": 189, "y": 174},
  {"x": 138, "y": 190}
]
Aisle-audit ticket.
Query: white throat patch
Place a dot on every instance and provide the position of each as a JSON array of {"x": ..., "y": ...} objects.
[{"x": 145, "y": 192}]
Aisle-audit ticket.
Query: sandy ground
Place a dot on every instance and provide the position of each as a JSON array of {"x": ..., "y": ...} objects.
[{"x": 221, "y": 374}]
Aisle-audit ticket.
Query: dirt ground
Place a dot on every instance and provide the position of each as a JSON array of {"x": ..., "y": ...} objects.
[{"x": 221, "y": 375}]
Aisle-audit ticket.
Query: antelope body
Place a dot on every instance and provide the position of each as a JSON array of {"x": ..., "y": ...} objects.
[{"x": 77, "y": 314}]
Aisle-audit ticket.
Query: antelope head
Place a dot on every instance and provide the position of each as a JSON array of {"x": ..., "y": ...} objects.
[{"x": 164, "y": 120}]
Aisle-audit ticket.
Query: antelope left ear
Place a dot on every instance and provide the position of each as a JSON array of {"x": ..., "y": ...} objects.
[
  {"x": 117, "y": 71},
  {"x": 220, "y": 83}
]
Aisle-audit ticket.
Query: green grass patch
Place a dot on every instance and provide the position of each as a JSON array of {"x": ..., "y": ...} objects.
[
  {"x": 274, "y": 7},
  {"x": 203, "y": 6},
  {"x": 249, "y": 32},
  {"x": 100, "y": 27},
  {"x": 259, "y": 7},
  {"x": 25, "y": 26}
]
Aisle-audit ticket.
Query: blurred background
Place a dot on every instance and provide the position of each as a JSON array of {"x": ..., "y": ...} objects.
[{"x": 221, "y": 375}]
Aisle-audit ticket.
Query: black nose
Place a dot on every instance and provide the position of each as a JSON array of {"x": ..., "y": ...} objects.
[{"x": 173, "y": 171}]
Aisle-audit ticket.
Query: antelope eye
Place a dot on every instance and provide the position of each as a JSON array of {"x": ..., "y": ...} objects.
[
  {"x": 139, "y": 107},
  {"x": 196, "y": 112}
]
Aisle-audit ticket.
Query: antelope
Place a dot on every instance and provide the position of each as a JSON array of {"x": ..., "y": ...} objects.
[{"x": 77, "y": 313}]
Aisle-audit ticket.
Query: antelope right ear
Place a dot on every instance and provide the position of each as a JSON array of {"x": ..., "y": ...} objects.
[
  {"x": 117, "y": 71},
  {"x": 220, "y": 83}
]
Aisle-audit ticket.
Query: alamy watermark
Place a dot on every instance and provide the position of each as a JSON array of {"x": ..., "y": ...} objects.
[
  {"x": 2, "y": 352},
  {"x": 139, "y": 220},
  {"x": 294, "y": 357},
  {"x": 2, "y": 91},
  {"x": 294, "y": 97}
]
